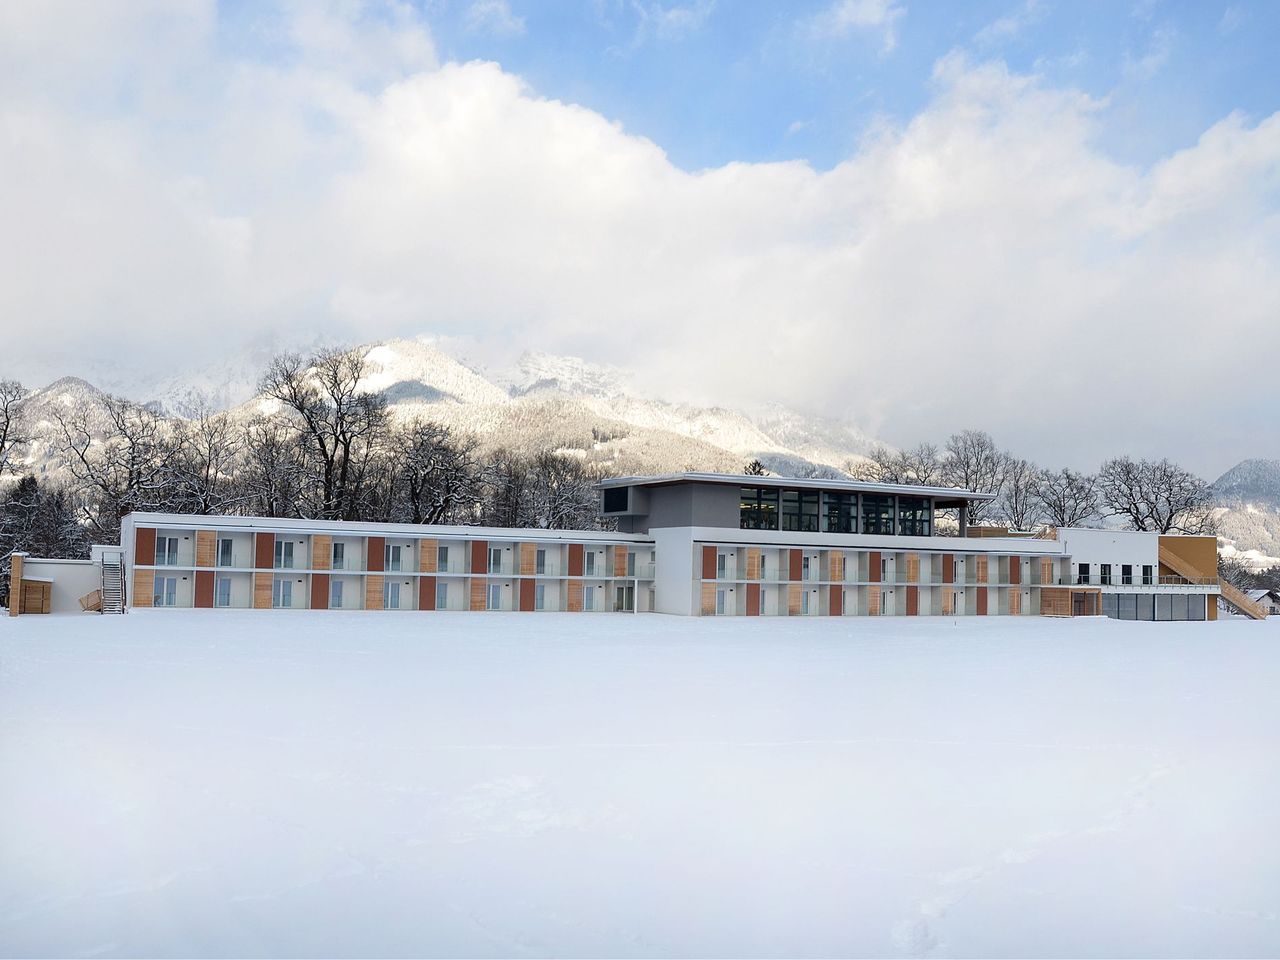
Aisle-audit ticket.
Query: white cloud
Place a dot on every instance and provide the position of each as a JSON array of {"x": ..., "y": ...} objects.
[
  {"x": 1011, "y": 24},
  {"x": 493, "y": 16},
  {"x": 843, "y": 17},
  {"x": 984, "y": 264},
  {"x": 673, "y": 21}
]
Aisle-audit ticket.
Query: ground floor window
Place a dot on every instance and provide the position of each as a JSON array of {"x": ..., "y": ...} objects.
[
  {"x": 1158, "y": 606},
  {"x": 540, "y": 597},
  {"x": 166, "y": 592},
  {"x": 442, "y": 596},
  {"x": 335, "y": 594},
  {"x": 391, "y": 596},
  {"x": 282, "y": 593},
  {"x": 495, "y": 597},
  {"x": 222, "y": 592},
  {"x": 720, "y": 602},
  {"x": 589, "y": 598}
]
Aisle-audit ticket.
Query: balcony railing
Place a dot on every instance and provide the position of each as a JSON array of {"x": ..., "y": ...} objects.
[{"x": 1098, "y": 580}]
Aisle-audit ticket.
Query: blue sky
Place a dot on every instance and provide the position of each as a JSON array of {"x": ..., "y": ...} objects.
[{"x": 756, "y": 81}]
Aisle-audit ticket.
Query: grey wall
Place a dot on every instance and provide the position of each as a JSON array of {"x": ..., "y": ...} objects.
[{"x": 687, "y": 505}]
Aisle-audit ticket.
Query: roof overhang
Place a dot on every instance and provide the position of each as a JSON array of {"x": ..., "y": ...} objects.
[{"x": 944, "y": 496}]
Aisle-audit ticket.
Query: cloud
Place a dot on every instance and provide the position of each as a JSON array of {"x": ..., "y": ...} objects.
[
  {"x": 495, "y": 17},
  {"x": 844, "y": 17},
  {"x": 1011, "y": 25},
  {"x": 670, "y": 21},
  {"x": 984, "y": 263}
]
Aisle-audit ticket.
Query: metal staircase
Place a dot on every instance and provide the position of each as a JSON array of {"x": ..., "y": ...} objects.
[
  {"x": 1231, "y": 594},
  {"x": 112, "y": 584}
]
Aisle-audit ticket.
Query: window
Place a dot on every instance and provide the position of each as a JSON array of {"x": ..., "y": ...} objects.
[
  {"x": 758, "y": 508},
  {"x": 339, "y": 556},
  {"x": 540, "y": 561},
  {"x": 1146, "y": 606},
  {"x": 284, "y": 554},
  {"x": 589, "y": 598},
  {"x": 720, "y": 601},
  {"x": 391, "y": 596},
  {"x": 335, "y": 594},
  {"x": 442, "y": 559},
  {"x": 1146, "y": 575},
  {"x": 166, "y": 592},
  {"x": 915, "y": 516},
  {"x": 804, "y": 603},
  {"x": 804, "y": 568},
  {"x": 631, "y": 564},
  {"x": 722, "y": 566},
  {"x": 222, "y": 592},
  {"x": 495, "y": 560},
  {"x": 225, "y": 557},
  {"x": 391, "y": 557},
  {"x": 800, "y": 510},
  {"x": 1126, "y": 573},
  {"x": 540, "y": 597},
  {"x": 624, "y": 599},
  {"x": 615, "y": 500},
  {"x": 841, "y": 512},
  {"x": 877, "y": 513},
  {"x": 495, "y": 596},
  {"x": 166, "y": 551},
  {"x": 590, "y": 560},
  {"x": 1082, "y": 574},
  {"x": 1105, "y": 574},
  {"x": 282, "y": 592},
  {"x": 442, "y": 595}
]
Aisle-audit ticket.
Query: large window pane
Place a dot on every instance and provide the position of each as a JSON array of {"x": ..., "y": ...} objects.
[
  {"x": 758, "y": 508},
  {"x": 800, "y": 510},
  {"x": 915, "y": 517},
  {"x": 841, "y": 512},
  {"x": 877, "y": 513}
]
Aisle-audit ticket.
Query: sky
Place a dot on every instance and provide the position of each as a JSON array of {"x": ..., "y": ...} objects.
[{"x": 1059, "y": 222}]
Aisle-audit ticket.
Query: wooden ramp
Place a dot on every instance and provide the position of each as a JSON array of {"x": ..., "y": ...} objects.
[{"x": 1234, "y": 597}]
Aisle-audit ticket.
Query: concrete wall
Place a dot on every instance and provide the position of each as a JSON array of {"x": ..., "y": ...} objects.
[
  {"x": 1115, "y": 547},
  {"x": 72, "y": 579},
  {"x": 674, "y": 581}
]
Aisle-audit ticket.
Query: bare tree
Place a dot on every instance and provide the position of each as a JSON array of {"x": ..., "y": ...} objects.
[
  {"x": 12, "y": 433},
  {"x": 563, "y": 493},
  {"x": 973, "y": 462},
  {"x": 440, "y": 474},
  {"x": 920, "y": 465},
  {"x": 1156, "y": 495},
  {"x": 1067, "y": 498},
  {"x": 342, "y": 422},
  {"x": 274, "y": 475},
  {"x": 207, "y": 453},
  {"x": 507, "y": 484},
  {"x": 1019, "y": 503}
]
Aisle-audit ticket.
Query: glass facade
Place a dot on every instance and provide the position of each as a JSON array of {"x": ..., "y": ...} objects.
[
  {"x": 800, "y": 510},
  {"x": 915, "y": 517},
  {"x": 758, "y": 508},
  {"x": 877, "y": 513},
  {"x": 841, "y": 512}
]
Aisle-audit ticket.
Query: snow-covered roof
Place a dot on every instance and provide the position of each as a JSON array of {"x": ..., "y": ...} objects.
[
  {"x": 803, "y": 483},
  {"x": 1261, "y": 594}
]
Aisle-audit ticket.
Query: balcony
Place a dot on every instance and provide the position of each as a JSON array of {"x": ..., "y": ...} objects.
[{"x": 1138, "y": 582}]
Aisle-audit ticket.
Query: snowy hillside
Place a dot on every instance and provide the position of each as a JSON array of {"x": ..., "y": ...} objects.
[
  {"x": 228, "y": 783},
  {"x": 1248, "y": 497}
]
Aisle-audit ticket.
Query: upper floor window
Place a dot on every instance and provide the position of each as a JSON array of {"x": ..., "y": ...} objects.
[
  {"x": 915, "y": 517},
  {"x": 841, "y": 512},
  {"x": 800, "y": 510},
  {"x": 391, "y": 557},
  {"x": 615, "y": 500},
  {"x": 877, "y": 513},
  {"x": 758, "y": 508}
]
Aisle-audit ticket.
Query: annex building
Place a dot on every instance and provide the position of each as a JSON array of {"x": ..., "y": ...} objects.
[{"x": 687, "y": 544}]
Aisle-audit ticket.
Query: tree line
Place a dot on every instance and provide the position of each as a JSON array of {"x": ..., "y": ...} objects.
[{"x": 320, "y": 447}]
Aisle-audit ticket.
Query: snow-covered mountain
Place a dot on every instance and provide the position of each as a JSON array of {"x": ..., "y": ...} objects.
[{"x": 1248, "y": 498}]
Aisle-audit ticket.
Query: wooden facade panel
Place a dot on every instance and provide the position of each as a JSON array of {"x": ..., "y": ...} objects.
[
  {"x": 144, "y": 547},
  {"x": 204, "y": 588},
  {"x": 526, "y": 595},
  {"x": 528, "y": 560},
  {"x": 426, "y": 593},
  {"x": 794, "y": 591},
  {"x": 795, "y": 564},
  {"x": 373, "y": 585},
  {"x": 913, "y": 567},
  {"x": 708, "y": 562},
  {"x": 836, "y": 604},
  {"x": 375, "y": 554},
  {"x": 575, "y": 564},
  {"x": 428, "y": 557},
  {"x": 983, "y": 566},
  {"x": 708, "y": 607},
  {"x": 948, "y": 568},
  {"x": 262, "y": 586},
  {"x": 1015, "y": 603},
  {"x": 34, "y": 596},
  {"x": 264, "y": 553},
  {"x": 1015, "y": 570},
  {"x": 981, "y": 604},
  {"x": 206, "y": 549},
  {"x": 873, "y": 567},
  {"x": 319, "y": 591},
  {"x": 1055, "y": 602},
  {"x": 573, "y": 592},
  {"x": 478, "y": 593},
  {"x": 753, "y": 564},
  {"x": 873, "y": 601},
  {"x": 144, "y": 584},
  {"x": 753, "y": 599},
  {"x": 321, "y": 554},
  {"x": 913, "y": 601},
  {"x": 837, "y": 564},
  {"x": 948, "y": 602},
  {"x": 620, "y": 560},
  {"x": 1046, "y": 570}
]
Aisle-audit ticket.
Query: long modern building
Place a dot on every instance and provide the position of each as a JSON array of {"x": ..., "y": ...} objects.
[{"x": 688, "y": 544}]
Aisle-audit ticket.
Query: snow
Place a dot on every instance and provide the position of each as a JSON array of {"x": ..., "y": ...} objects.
[{"x": 237, "y": 783}]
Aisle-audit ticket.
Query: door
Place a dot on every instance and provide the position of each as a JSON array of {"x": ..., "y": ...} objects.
[
  {"x": 166, "y": 551},
  {"x": 335, "y": 594},
  {"x": 339, "y": 556},
  {"x": 225, "y": 556},
  {"x": 392, "y": 557},
  {"x": 166, "y": 591},
  {"x": 282, "y": 593},
  {"x": 284, "y": 556},
  {"x": 222, "y": 593},
  {"x": 391, "y": 596},
  {"x": 495, "y": 596}
]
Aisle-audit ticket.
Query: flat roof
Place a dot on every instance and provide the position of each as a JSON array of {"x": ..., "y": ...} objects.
[
  {"x": 352, "y": 528},
  {"x": 803, "y": 483}
]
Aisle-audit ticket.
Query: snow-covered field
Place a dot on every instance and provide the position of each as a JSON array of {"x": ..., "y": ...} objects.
[{"x": 234, "y": 783}]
